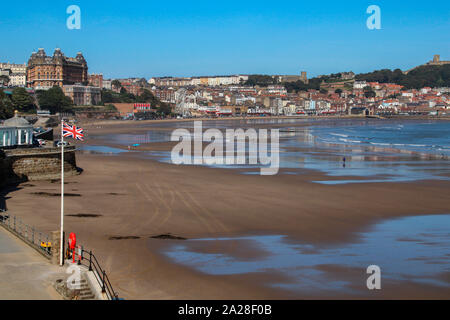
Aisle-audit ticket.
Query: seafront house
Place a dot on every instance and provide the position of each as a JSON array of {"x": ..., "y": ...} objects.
[
  {"x": 16, "y": 132},
  {"x": 17, "y": 74}
]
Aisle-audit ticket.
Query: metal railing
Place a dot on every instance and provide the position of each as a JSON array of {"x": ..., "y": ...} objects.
[
  {"x": 40, "y": 242},
  {"x": 33, "y": 237},
  {"x": 88, "y": 259}
]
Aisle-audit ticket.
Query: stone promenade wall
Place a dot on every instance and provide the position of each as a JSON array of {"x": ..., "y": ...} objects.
[{"x": 18, "y": 165}]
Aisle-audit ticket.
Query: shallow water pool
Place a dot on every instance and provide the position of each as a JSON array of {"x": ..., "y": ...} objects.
[{"x": 413, "y": 249}]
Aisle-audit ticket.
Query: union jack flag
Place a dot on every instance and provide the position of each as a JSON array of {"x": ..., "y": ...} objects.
[{"x": 72, "y": 132}]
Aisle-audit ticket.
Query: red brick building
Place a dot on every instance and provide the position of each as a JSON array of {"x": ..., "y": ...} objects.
[
  {"x": 132, "y": 88},
  {"x": 57, "y": 70},
  {"x": 96, "y": 80}
]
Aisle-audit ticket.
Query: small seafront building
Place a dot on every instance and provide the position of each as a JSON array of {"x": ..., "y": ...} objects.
[
  {"x": 16, "y": 132},
  {"x": 83, "y": 95}
]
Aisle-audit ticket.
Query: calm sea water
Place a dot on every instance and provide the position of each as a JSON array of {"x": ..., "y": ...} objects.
[
  {"x": 377, "y": 151},
  {"x": 419, "y": 136},
  {"x": 374, "y": 150}
]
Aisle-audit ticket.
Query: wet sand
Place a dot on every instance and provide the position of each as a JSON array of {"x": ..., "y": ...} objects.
[{"x": 141, "y": 198}]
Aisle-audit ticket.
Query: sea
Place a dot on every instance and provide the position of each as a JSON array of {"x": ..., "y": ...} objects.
[{"x": 345, "y": 150}]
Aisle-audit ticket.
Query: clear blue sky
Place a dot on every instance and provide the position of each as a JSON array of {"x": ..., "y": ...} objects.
[{"x": 183, "y": 38}]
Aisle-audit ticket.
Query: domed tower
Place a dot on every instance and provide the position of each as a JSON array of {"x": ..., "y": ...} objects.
[
  {"x": 80, "y": 57},
  {"x": 32, "y": 69},
  {"x": 82, "y": 61},
  {"x": 58, "y": 55},
  {"x": 58, "y": 61},
  {"x": 41, "y": 53},
  {"x": 32, "y": 58},
  {"x": 40, "y": 56}
]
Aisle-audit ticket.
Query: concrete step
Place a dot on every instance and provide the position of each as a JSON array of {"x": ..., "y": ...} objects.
[
  {"x": 85, "y": 292},
  {"x": 80, "y": 287},
  {"x": 85, "y": 289},
  {"x": 76, "y": 283},
  {"x": 80, "y": 281}
]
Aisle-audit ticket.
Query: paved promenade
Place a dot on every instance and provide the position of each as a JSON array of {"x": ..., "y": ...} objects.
[{"x": 24, "y": 273}]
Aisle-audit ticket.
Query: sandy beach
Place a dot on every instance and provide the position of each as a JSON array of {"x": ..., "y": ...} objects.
[{"x": 129, "y": 199}]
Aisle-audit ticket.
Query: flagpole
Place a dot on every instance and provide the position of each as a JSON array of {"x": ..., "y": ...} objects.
[{"x": 61, "y": 261}]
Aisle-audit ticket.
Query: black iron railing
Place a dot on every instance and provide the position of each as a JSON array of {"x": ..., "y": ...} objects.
[
  {"x": 40, "y": 242},
  {"x": 33, "y": 237},
  {"x": 88, "y": 259}
]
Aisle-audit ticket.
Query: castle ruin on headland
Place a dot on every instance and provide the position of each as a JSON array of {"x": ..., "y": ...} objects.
[{"x": 435, "y": 62}]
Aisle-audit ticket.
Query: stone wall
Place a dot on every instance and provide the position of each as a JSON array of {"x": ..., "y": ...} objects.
[
  {"x": 18, "y": 165},
  {"x": 5, "y": 171},
  {"x": 97, "y": 115}
]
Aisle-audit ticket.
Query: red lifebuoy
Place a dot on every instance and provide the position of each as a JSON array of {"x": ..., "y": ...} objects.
[{"x": 72, "y": 241}]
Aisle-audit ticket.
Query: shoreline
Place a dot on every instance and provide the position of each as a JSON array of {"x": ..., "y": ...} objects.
[
  {"x": 341, "y": 117},
  {"x": 151, "y": 200},
  {"x": 148, "y": 138},
  {"x": 141, "y": 198},
  {"x": 135, "y": 127}
]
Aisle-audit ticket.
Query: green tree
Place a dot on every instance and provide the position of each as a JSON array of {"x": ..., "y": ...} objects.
[
  {"x": 22, "y": 100},
  {"x": 110, "y": 107},
  {"x": 6, "y": 106},
  {"x": 126, "y": 97},
  {"x": 338, "y": 91},
  {"x": 260, "y": 80},
  {"x": 369, "y": 93},
  {"x": 108, "y": 96},
  {"x": 4, "y": 79},
  {"x": 299, "y": 85},
  {"x": 423, "y": 76},
  {"x": 116, "y": 84},
  {"x": 147, "y": 96},
  {"x": 296, "y": 86},
  {"x": 164, "y": 109},
  {"x": 54, "y": 100}
]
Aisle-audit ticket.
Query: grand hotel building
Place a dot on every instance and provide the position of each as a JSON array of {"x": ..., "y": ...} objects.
[{"x": 44, "y": 71}]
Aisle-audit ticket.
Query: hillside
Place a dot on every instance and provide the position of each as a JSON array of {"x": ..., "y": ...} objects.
[{"x": 424, "y": 76}]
